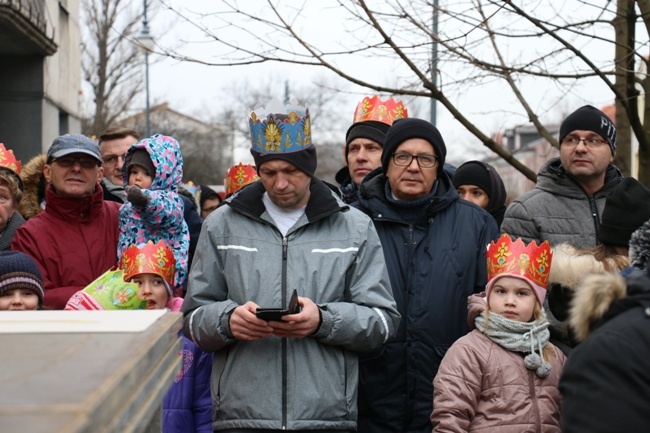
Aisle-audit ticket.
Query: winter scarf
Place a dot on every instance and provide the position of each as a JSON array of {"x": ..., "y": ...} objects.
[{"x": 518, "y": 337}]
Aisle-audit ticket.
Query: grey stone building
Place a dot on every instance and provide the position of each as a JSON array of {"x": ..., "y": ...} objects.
[{"x": 40, "y": 73}]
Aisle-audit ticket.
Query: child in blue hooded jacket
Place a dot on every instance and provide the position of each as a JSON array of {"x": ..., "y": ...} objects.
[{"x": 152, "y": 172}]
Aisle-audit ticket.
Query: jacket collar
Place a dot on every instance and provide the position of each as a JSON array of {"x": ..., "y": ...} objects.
[
  {"x": 372, "y": 195},
  {"x": 322, "y": 200},
  {"x": 552, "y": 177},
  {"x": 79, "y": 210}
]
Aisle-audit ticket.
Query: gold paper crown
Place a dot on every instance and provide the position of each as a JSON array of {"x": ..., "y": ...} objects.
[
  {"x": 531, "y": 261},
  {"x": 149, "y": 258},
  {"x": 8, "y": 160},
  {"x": 380, "y": 111},
  {"x": 238, "y": 176},
  {"x": 286, "y": 128}
]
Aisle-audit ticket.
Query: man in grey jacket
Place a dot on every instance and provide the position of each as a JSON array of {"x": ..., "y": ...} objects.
[
  {"x": 566, "y": 203},
  {"x": 287, "y": 232}
]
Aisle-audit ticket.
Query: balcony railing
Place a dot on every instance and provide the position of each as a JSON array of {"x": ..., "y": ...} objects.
[{"x": 24, "y": 23}]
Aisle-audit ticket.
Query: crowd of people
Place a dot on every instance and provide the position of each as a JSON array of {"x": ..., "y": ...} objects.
[{"x": 425, "y": 302}]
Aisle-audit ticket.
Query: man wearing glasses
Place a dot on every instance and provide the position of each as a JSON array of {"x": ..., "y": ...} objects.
[
  {"x": 434, "y": 245},
  {"x": 566, "y": 204},
  {"x": 74, "y": 240},
  {"x": 113, "y": 145}
]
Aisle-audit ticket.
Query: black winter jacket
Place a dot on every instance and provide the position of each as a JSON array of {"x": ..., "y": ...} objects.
[
  {"x": 434, "y": 265},
  {"x": 605, "y": 385}
]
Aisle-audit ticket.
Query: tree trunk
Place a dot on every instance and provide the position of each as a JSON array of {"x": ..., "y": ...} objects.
[{"x": 624, "y": 60}]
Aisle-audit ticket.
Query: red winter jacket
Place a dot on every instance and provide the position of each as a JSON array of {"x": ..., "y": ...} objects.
[{"x": 73, "y": 241}]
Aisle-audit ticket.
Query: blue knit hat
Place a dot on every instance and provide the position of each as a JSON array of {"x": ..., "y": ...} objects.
[{"x": 19, "y": 271}]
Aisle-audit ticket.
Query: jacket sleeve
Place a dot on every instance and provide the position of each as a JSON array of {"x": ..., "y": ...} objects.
[
  {"x": 164, "y": 211},
  {"x": 456, "y": 389},
  {"x": 517, "y": 222},
  {"x": 202, "y": 400},
  {"x": 206, "y": 308},
  {"x": 368, "y": 318},
  {"x": 56, "y": 297}
]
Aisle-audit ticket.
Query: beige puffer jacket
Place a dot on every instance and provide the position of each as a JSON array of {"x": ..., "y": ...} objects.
[{"x": 482, "y": 387}]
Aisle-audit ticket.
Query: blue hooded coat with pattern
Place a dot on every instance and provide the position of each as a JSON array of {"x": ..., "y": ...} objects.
[{"x": 162, "y": 218}]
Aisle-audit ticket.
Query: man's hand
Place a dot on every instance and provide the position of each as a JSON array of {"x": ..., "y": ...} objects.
[
  {"x": 135, "y": 195},
  {"x": 298, "y": 325},
  {"x": 244, "y": 325}
]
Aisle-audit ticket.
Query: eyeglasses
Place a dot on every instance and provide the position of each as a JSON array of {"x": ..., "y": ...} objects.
[
  {"x": 69, "y": 161},
  {"x": 424, "y": 161},
  {"x": 112, "y": 159},
  {"x": 590, "y": 143}
]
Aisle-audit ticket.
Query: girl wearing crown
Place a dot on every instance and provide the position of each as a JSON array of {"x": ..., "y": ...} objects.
[
  {"x": 187, "y": 406},
  {"x": 503, "y": 376},
  {"x": 144, "y": 280}
]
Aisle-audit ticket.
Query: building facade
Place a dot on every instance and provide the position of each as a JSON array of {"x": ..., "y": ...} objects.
[{"x": 40, "y": 73}]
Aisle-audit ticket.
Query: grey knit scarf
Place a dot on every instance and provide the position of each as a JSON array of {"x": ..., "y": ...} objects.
[{"x": 525, "y": 337}]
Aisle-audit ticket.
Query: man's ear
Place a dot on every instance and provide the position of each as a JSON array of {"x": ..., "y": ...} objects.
[
  {"x": 47, "y": 173},
  {"x": 100, "y": 175}
]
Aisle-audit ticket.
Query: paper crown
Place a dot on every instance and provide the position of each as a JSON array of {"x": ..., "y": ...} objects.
[
  {"x": 149, "y": 258},
  {"x": 280, "y": 128},
  {"x": 238, "y": 176},
  {"x": 8, "y": 160},
  {"x": 380, "y": 111},
  {"x": 108, "y": 292},
  {"x": 531, "y": 261}
]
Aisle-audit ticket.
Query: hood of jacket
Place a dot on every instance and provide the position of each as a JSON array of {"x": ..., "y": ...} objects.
[
  {"x": 640, "y": 247},
  {"x": 600, "y": 297},
  {"x": 476, "y": 304},
  {"x": 165, "y": 153},
  {"x": 34, "y": 187},
  {"x": 570, "y": 265},
  {"x": 554, "y": 179},
  {"x": 372, "y": 196}
]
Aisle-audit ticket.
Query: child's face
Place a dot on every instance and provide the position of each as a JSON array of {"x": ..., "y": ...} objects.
[
  {"x": 18, "y": 299},
  {"x": 513, "y": 298},
  {"x": 152, "y": 288},
  {"x": 138, "y": 176}
]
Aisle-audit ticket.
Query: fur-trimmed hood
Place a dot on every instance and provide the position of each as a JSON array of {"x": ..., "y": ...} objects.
[
  {"x": 640, "y": 246},
  {"x": 593, "y": 299},
  {"x": 34, "y": 187},
  {"x": 570, "y": 266}
]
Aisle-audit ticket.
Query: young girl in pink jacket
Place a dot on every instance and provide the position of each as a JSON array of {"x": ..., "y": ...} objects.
[{"x": 503, "y": 376}]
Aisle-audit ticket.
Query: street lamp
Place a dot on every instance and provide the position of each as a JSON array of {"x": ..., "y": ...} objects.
[{"x": 146, "y": 44}]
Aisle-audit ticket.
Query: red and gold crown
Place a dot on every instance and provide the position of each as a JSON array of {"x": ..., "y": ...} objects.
[
  {"x": 531, "y": 261},
  {"x": 380, "y": 111},
  {"x": 8, "y": 160},
  {"x": 238, "y": 176},
  {"x": 149, "y": 258}
]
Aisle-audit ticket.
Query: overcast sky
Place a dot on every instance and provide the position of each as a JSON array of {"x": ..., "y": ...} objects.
[{"x": 193, "y": 89}]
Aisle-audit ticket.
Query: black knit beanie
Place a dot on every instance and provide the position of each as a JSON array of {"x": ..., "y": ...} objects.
[
  {"x": 404, "y": 129},
  {"x": 370, "y": 129},
  {"x": 206, "y": 193},
  {"x": 140, "y": 157},
  {"x": 19, "y": 271},
  {"x": 305, "y": 159},
  {"x": 626, "y": 209},
  {"x": 473, "y": 173},
  {"x": 590, "y": 118}
]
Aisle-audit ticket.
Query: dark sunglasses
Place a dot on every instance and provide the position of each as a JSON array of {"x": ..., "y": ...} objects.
[{"x": 69, "y": 161}]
